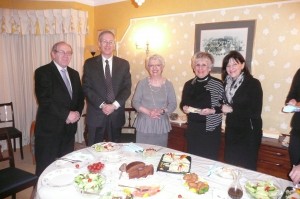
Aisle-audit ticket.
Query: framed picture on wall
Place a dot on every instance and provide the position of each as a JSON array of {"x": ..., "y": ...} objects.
[{"x": 220, "y": 38}]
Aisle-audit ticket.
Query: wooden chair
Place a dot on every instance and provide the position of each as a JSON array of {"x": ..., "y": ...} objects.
[
  {"x": 31, "y": 144},
  {"x": 128, "y": 133},
  {"x": 13, "y": 179},
  {"x": 7, "y": 124}
]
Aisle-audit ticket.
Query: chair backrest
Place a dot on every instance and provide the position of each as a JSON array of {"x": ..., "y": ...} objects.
[
  {"x": 130, "y": 114},
  {"x": 7, "y": 115},
  {"x": 10, "y": 156}
]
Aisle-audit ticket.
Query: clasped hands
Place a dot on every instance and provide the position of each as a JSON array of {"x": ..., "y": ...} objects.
[
  {"x": 73, "y": 117},
  {"x": 107, "y": 109},
  {"x": 155, "y": 113}
]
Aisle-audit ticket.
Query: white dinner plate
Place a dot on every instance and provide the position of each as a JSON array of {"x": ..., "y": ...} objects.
[
  {"x": 224, "y": 172},
  {"x": 60, "y": 177},
  {"x": 105, "y": 147},
  {"x": 116, "y": 158}
]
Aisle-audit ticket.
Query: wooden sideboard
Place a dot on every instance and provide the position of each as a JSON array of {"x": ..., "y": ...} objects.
[{"x": 273, "y": 158}]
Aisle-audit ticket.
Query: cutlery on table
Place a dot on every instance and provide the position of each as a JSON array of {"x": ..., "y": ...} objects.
[
  {"x": 160, "y": 148},
  {"x": 137, "y": 188},
  {"x": 69, "y": 160},
  {"x": 122, "y": 169}
]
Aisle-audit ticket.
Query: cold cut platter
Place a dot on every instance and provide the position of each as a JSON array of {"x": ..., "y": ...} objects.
[{"x": 175, "y": 163}]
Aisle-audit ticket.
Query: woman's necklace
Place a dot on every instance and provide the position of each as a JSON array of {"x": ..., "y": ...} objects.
[
  {"x": 155, "y": 85},
  {"x": 155, "y": 90}
]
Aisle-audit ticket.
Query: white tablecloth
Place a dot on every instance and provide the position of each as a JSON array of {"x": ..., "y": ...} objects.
[{"x": 172, "y": 184}]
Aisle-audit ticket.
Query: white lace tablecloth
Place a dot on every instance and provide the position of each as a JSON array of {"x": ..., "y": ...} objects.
[{"x": 172, "y": 184}]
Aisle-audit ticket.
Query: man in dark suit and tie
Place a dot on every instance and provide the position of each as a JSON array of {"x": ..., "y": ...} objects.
[
  {"x": 60, "y": 102},
  {"x": 106, "y": 84}
]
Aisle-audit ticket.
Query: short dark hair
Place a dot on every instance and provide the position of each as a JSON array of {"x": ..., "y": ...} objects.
[{"x": 238, "y": 57}]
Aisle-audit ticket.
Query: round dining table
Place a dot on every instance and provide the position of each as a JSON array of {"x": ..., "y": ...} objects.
[{"x": 57, "y": 180}]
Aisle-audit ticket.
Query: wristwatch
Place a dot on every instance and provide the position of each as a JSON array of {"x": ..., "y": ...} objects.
[{"x": 163, "y": 111}]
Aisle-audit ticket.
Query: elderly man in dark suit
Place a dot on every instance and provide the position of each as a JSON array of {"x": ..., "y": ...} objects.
[
  {"x": 106, "y": 84},
  {"x": 60, "y": 102}
]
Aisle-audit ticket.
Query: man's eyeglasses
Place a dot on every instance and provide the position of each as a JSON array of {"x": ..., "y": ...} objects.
[
  {"x": 61, "y": 52},
  {"x": 109, "y": 43}
]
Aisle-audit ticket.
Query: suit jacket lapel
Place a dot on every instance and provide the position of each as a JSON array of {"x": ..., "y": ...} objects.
[
  {"x": 100, "y": 73},
  {"x": 114, "y": 72}
]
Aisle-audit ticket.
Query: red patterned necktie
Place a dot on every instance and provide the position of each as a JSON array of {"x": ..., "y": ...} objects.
[{"x": 110, "y": 96}]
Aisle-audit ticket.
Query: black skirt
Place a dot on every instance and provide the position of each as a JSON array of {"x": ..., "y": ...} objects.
[{"x": 203, "y": 143}]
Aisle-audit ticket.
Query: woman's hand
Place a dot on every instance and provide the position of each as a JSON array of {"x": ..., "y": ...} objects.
[
  {"x": 226, "y": 108},
  {"x": 292, "y": 102},
  {"x": 155, "y": 113},
  {"x": 295, "y": 174},
  {"x": 186, "y": 109}
]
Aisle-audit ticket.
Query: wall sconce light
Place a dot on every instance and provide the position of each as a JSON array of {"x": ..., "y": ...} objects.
[
  {"x": 141, "y": 46},
  {"x": 139, "y": 2}
]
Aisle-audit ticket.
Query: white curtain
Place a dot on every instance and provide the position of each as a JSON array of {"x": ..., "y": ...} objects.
[{"x": 26, "y": 38}]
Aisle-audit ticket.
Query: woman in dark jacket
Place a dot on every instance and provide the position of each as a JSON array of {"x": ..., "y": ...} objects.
[
  {"x": 244, "y": 98},
  {"x": 201, "y": 97}
]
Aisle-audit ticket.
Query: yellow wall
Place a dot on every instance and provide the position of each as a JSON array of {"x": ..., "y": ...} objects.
[
  {"x": 117, "y": 15},
  {"x": 275, "y": 52},
  {"x": 276, "y": 44}
]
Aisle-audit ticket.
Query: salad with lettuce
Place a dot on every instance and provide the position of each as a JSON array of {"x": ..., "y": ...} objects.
[
  {"x": 262, "y": 189},
  {"x": 90, "y": 182}
]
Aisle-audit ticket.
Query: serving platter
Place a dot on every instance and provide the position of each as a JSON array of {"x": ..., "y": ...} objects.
[
  {"x": 175, "y": 163},
  {"x": 105, "y": 147}
]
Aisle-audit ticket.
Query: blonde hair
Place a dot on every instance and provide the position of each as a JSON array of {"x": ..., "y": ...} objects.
[
  {"x": 156, "y": 57},
  {"x": 202, "y": 55}
]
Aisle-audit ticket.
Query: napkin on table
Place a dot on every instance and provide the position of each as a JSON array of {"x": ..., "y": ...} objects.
[{"x": 133, "y": 147}]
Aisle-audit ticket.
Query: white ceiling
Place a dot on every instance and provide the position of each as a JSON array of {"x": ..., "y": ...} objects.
[{"x": 89, "y": 2}]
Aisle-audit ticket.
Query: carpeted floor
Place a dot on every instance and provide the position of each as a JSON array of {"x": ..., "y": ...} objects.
[{"x": 27, "y": 164}]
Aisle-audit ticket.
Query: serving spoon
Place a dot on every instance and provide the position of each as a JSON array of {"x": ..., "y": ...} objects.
[{"x": 122, "y": 169}]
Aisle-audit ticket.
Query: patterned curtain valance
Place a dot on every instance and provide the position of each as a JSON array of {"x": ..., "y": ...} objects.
[{"x": 42, "y": 22}]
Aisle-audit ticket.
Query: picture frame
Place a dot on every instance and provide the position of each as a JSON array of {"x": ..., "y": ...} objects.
[{"x": 220, "y": 38}]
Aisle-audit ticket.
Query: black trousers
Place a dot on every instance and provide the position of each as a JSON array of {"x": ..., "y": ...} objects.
[
  {"x": 105, "y": 133},
  {"x": 49, "y": 147},
  {"x": 294, "y": 146}
]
